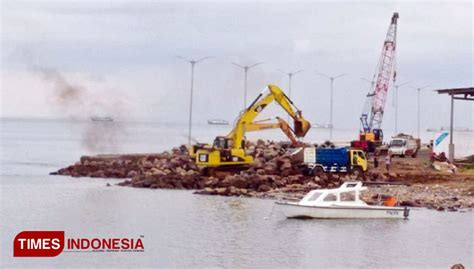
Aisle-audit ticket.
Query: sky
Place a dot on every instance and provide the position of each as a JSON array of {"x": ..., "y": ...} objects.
[{"x": 74, "y": 59}]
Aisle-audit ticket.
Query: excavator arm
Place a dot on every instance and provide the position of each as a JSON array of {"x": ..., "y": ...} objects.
[
  {"x": 245, "y": 121},
  {"x": 281, "y": 123}
]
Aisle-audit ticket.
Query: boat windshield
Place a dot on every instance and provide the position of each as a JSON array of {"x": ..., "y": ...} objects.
[
  {"x": 348, "y": 196},
  {"x": 397, "y": 143},
  {"x": 330, "y": 197},
  {"x": 314, "y": 196}
]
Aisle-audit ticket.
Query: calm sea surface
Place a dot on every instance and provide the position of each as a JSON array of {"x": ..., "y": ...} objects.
[{"x": 180, "y": 229}]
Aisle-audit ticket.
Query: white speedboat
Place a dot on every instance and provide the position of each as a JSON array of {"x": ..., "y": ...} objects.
[{"x": 340, "y": 203}]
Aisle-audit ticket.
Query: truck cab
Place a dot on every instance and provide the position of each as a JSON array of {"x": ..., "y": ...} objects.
[
  {"x": 404, "y": 145},
  {"x": 358, "y": 159},
  {"x": 398, "y": 147}
]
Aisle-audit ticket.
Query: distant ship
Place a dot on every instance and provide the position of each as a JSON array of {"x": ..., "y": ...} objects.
[
  {"x": 99, "y": 118},
  {"x": 321, "y": 125},
  {"x": 456, "y": 129},
  {"x": 217, "y": 122}
]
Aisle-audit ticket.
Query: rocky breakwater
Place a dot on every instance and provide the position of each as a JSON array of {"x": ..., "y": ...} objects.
[
  {"x": 429, "y": 184},
  {"x": 276, "y": 172},
  {"x": 442, "y": 196},
  {"x": 273, "y": 171}
]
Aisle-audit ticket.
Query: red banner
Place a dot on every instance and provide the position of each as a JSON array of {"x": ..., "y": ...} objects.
[{"x": 38, "y": 244}]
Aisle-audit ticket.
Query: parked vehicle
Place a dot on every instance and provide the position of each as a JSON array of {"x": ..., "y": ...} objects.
[
  {"x": 335, "y": 160},
  {"x": 404, "y": 145}
]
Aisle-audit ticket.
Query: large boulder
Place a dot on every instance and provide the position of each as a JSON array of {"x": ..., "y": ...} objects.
[
  {"x": 131, "y": 173},
  {"x": 147, "y": 164},
  {"x": 264, "y": 188},
  {"x": 285, "y": 165},
  {"x": 285, "y": 172},
  {"x": 239, "y": 182},
  {"x": 260, "y": 143},
  {"x": 269, "y": 154},
  {"x": 270, "y": 169},
  {"x": 222, "y": 191},
  {"x": 211, "y": 182}
]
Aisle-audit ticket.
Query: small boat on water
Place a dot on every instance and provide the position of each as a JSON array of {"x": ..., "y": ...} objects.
[
  {"x": 341, "y": 203},
  {"x": 100, "y": 118},
  {"x": 217, "y": 122},
  {"x": 321, "y": 125},
  {"x": 456, "y": 129}
]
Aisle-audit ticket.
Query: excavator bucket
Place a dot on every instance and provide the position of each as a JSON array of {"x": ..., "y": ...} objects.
[{"x": 302, "y": 126}]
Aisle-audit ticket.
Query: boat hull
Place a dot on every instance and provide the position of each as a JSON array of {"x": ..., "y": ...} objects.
[{"x": 292, "y": 210}]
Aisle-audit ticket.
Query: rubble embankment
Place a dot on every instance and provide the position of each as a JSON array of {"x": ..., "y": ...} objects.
[{"x": 274, "y": 173}]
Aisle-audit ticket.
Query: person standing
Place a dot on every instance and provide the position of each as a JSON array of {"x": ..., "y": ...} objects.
[{"x": 388, "y": 160}]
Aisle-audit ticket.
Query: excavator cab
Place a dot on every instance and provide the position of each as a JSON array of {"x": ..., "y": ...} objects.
[
  {"x": 221, "y": 154},
  {"x": 222, "y": 142}
]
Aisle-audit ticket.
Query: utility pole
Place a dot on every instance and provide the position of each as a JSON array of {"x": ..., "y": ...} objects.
[
  {"x": 331, "y": 79},
  {"x": 193, "y": 63},
  {"x": 395, "y": 99},
  {"x": 451, "y": 132},
  {"x": 419, "y": 91},
  {"x": 246, "y": 69},
  {"x": 290, "y": 76}
]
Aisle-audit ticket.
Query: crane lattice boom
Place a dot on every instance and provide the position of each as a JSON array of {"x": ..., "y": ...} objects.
[{"x": 385, "y": 69}]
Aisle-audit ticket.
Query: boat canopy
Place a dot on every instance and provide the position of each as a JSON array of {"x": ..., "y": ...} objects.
[{"x": 346, "y": 195}]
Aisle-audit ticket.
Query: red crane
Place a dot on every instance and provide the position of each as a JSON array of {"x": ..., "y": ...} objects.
[{"x": 372, "y": 114}]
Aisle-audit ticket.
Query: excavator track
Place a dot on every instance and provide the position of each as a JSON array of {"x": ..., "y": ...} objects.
[{"x": 223, "y": 170}]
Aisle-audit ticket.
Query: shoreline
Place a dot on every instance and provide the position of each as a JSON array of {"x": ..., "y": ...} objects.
[{"x": 275, "y": 173}]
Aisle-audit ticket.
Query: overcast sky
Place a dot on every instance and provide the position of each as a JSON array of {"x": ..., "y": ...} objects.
[{"x": 121, "y": 57}]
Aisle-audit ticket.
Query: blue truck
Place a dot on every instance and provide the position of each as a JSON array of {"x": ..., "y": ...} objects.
[{"x": 335, "y": 160}]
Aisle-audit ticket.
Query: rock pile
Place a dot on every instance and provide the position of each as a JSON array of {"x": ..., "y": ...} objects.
[
  {"x": 434, "y": 196},
  {"x": 273, "y": 169},
  {"x": 275, "y": 172}
]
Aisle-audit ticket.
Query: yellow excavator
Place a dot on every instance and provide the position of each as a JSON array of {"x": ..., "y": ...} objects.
[{"x": 230, "y": 150}]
